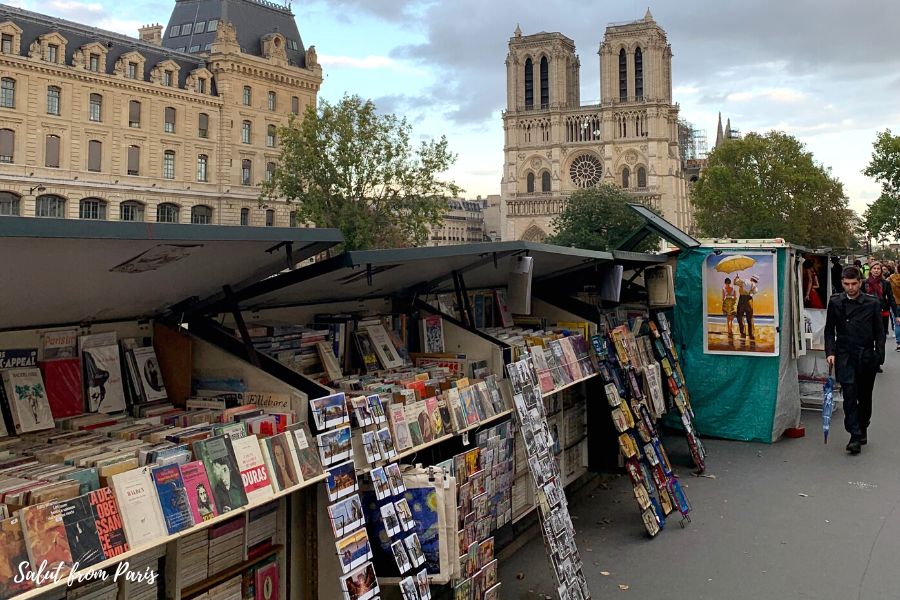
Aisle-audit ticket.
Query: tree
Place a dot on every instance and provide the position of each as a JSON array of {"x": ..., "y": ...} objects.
[
  {"x": 768, "y": 186},
  {"x": 882, "y": 217},
  {"x": 597, "y": 219},
  {"x": 346, "y": 166}
]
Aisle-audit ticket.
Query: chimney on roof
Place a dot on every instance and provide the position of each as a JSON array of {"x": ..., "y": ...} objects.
[{"x": 151, "y": 34}]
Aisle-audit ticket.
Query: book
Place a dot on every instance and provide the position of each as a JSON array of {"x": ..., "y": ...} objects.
[
  {"x": 108, "y": 522},
  {"x": 27, "y": 399},
  {"x": 221, "y": 468},
  {"x": 148, "y": 375},
  {"x": 266, "y": 582},
  {"x": 432, "y": 334},
  {"x": 307, "y": 456},
  {"x": 252, "y": 466},
  {"x": 281, "y": 461},
  {"x": 62, "y": 378},
  {"x": 329, "y": 361},
  {"x": 13, "y": 553},
  {"x": 142, "y": 517},
  {"x": 81, "y": 531},
  {"x": 384, "y": 348},
  {"x": 402, "y": 438},
  {"x": 366, "y": 351},
  {"x": 62, "y": 343},
  {"x": 199, "y": 491},
  {"x": 45, "y": 537},
  {"x": 172, "y": 497},
  {"x": 102, "y": 379},
  {"x": 506, "y": 318}
]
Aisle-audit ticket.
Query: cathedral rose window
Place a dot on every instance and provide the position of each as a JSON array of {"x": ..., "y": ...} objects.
[{"x": 586, "y": 171}]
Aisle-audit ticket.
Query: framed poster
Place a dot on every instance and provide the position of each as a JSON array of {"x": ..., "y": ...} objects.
[{"x": 740, "y": 303}]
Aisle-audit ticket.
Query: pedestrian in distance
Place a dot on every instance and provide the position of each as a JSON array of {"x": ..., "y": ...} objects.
[
  {"x": 876, "y": 285},
  {"x": 854, "y": 347},
  {"x": 836, "y": 269},
  {"x": 894, "y": 280}
]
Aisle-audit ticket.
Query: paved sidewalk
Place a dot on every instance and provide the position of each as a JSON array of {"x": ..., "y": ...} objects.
[{"x": 796, "y": 519}]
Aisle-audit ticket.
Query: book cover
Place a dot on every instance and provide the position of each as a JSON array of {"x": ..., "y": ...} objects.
[
  {"x": 254, "y": 474},
  {"x": 172, "y": 497},
  {"x": 221, "y": 468},
  {"x": 62, "y": 343},
  {"x": 13, "y": 553},
  {"x": 142, "y": 517},
  {"x": 412, "y": 422},
  {"x": 266, "y": 582},
  {"x": 108, "y": 522},
  {"x": 307, "y": 456},
  {"x": 366, "y": 351},
  {"x": 506, "y": 318},
  {"x": 384, "y": 348},
  {"x": 18, "y": 358},
  {"x": 457, "y": 416},
  {"x": 81, "y": 531},
  {"x": 199, "y": 491},
  {"x": 148, "y": 373},
  {"x": 102, "y": 379},
  {"x": 45, "y": 537},
  {"x": 435, "y": 418},
  {"x": 27, "y": 399},
  {"x": 281, "y": 461},
  {"x": 432, "y": 334},
  {"x": 62, "y": 378},
  {"x": 329, "y": 361},
  {"x": 400, "y": 427}
]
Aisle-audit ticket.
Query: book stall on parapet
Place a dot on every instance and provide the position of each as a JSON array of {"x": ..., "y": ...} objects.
[{"x": 376, "y": 424}]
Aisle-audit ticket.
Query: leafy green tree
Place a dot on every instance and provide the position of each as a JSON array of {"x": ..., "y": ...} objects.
[
  {"x": 882, "y": 218},
  {"x": 768, "y": 186},
  {"x": 346, "y": 166},
  {"x": 597, "y": 219}
]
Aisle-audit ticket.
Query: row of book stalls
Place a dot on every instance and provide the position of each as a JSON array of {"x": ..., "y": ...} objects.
[{"x": 187, "y": 414}]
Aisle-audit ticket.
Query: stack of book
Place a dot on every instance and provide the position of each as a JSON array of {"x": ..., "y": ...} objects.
[
  {"x": 144, "y": 580},
  {"x": 226, "y": 545},
  {"x": 192, "y": 559},
  {"x": 227, "y": 590},
  {"x": 262, "y": 528},
  {"x": 94, "y": 590}
]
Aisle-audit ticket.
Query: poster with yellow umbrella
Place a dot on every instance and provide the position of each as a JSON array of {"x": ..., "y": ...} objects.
[{"x": 740, "y": 307}]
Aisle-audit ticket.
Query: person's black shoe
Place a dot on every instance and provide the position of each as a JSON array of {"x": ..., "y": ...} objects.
[
  {"x": 878, "y": 370},
  {"x": 864, "y": 439},
  {"x": 853, "y": 447}
]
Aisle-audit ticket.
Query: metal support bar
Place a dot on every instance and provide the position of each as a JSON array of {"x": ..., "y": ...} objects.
[
  {"x": 485, "y": 259},
  {"x": 242, "y": 327},
  {"x": 369, "y": 274},
  {"x": 468, "y": 304},
  {"x": 459, "y": 300}
]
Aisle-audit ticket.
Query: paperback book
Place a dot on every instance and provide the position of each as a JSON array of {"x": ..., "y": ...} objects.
[
  {"x": 81, "y": 531},
  {"x": 221, "y": 468},
  {"x": 172, "y": 498},
  {"x": 254, "y": 474},
  {"x": 142, "y": 517},
  {"x": 108, "y": 522},
  {"x": 102, "y": 379},
  {"x": 199, "y": 491}
]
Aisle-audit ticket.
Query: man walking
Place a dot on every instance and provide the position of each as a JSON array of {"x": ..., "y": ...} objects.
[
  {"x": 836, "y": 270},
  {"x": 745, "y": 304},
  {"x": 854, "y": 346}
]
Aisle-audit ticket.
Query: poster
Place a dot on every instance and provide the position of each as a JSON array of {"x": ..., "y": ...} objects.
[{"x": 740, "y": 303}]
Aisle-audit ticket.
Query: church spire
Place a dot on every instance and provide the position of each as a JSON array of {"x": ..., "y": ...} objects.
[
  {"x": 518, "y": 31},
  {"x": 648, "y": 16},
  {"x": 728, "y": 129},
  {"x": 719, "y": 135}
]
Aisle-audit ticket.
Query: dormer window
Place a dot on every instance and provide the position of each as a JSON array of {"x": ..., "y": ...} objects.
[
  {"x": 53, "y": 53},
  {"x": 94, "y": 63},
  {"x": 201, "y": 83},
  {"x": 6, "y": 43},
  {"x": 168, "y": 78},
  {"x": 132, "y": 70}
]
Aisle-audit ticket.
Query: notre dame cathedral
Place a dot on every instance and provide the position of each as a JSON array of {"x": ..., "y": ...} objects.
[{"x": 555, "y": 145}]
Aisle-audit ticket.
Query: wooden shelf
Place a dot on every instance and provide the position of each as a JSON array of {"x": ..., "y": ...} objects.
[
  {"x": 568, "y": 385},
  {"x": 202, "y": 586},
  {"x": 111, "y": 562}
]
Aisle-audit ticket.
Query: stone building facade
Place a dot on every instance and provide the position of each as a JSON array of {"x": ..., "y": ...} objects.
[
  {"x": 463, "y": 223},
  {"x": 554, "y": 145},
  {"x": 170, "y": 127}
]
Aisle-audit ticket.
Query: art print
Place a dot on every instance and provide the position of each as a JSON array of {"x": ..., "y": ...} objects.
[
  {"x": 380, "y": 483},
  {"x": 330, "y": 411},
  {"x": 361, "y": 584},
  {"x": 390, "y": 520},
  {"x": 334, "y": 446},
  {"x": 346, "y": 515},
  {"x": 353, "y": 550},
  {"x": 341, "y": 480},
  {"x": 414, "y": 548}
]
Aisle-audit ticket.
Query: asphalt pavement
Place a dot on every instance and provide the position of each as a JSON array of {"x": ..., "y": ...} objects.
[{"x": 796, "y": 519}]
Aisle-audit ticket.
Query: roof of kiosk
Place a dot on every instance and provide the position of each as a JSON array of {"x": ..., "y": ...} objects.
[
  {"x": 427, "y": 269},
  {"x": 68, "y": 271}
]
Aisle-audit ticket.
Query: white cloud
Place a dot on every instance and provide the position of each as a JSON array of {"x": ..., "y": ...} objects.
[
  {"x": 685, "y": 90},
  {"x": 371, "y": 62},
  {"x": 784, "y": 95},
  {"x": 76, "y": 8},
  {"x": 123, "y": 26},
  {"x": 740, "y": 96}
]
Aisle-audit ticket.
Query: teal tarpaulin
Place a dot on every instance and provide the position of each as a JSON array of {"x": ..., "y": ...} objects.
[{"x": 734, "y": 397}]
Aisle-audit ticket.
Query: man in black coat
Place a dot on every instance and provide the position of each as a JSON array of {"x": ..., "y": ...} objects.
[{"x": 854, "y": 346}]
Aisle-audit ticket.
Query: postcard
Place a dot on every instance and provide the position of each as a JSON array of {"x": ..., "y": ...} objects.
[
  {"x": 401, "y": 557},
  {"x": 354, "y": 550},
  {"x": 361, "y": 584},
  {"x": 376, "y": 408},
  {"x": 334, "y": 446},
  {"x": 380, "y": 483},
  {"x": 341, "y": 480},
  {"x": 386, "y": 443},
  {"x": 361, "y": 411},
  {"x": 395, "y": 479},
  {"x": 330, "y": 411},
  {"x": 390, "y": 520},
  {"x": 408, "y": 588},
  {"x": 414, "y": 548},
  {"x": 346, "y": 515},
  {"x": 405, "y": 515},
  {"x": 371, "y": 447}
]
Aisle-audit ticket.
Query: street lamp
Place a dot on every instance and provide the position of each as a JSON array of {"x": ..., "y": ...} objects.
[{"x": 38, "y": 187}]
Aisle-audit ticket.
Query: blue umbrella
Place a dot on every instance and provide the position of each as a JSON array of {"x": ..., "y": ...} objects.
[{"x": 827, "y": 404}]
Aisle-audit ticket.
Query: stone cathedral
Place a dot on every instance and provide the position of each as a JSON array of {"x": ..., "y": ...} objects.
[{"x": 554, "y": 145}]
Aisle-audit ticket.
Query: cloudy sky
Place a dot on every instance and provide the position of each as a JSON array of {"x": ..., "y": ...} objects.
[{"x": 826, "y": 71}]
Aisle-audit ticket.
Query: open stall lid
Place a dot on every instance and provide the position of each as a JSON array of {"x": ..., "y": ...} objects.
[
  {"x": 67, "y": 272},
  {"x": 360, "y": 275},
  {"x": 655, "y": 224}
]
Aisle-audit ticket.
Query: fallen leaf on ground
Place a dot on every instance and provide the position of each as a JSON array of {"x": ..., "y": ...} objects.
[
  {"x": 604, "y": 573},
  {"x": 803, "y": 495},
  {"x": 623, "y": 587}
]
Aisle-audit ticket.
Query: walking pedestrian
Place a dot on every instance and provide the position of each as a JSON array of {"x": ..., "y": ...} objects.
[
  {"x": 836, "y": 269},
  {"x": 876, "y": 285},
  {"x": 894, "y": 280},
  {"x": 854, "y": 347}
]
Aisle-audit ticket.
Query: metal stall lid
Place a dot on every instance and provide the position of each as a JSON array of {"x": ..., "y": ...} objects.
[{"x": 69, "y": 272}]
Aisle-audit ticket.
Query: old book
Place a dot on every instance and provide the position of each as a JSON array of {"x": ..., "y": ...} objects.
[
  {"x": 108, "y": 522},
  {"x": 254, "y": 474},
  {"x": 13, "y": 553},
  {"x": 172, "y": 497},
  {"x": 402, "y": 439},
  {"x": 307, "y": 454},
  {"x": 432, "y": 332},
  {"x": 366, "y": 351},
  {"x": 81, "y": 531},
  {"x": 415, "y": 431},
  {"x": 62, "y": 378},
  {"x": 142, "y": 517},
  {"x": 281, "y": 461},
  {"x": 221, "y": 468},
  {"x": 266, "y": 580},
  {"x": 329, "y": 361},
  {"x": 199, "y": 491},
  {"x": 27, "y": 399},
  {"x": 384, "y": 348},
  {"x": 45, "y": 537},
  {"x": 148, "y": 374},
  {"x": 103, "y": 389}
]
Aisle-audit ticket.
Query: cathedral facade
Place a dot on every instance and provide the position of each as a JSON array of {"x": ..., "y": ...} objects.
[{"x": 554, "y": 145}]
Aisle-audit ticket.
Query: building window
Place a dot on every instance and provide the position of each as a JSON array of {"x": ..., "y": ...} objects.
[
  {"x": 201, "y": 215},
  {"x": 203, "y": 125},
  {"x": 92, "y": 208},
  {"x": 134, "y": 160},
  {"x": 52, "y": 53},
  {"x": 529, "y": 183},
  {"x": 623, "y": 75},
  {"x": 201, "y": 85},
  {"x": 626, "y": 175},
  {"x": 270, "y": 136},
  {"x": 248, "y": 95},
  {"x": 131, "y": 211},
  {"x": 168, "y": 164},
  {"x": 53, "y": 100},
  {"x": 96, "y": 106},
  {"x": 245, "y": 132},
  {"x": 642, "y": 177},
  {"x": 545, "y": 181},
  {"x": 292, "y": 218},
  {"x": 246, "y": 171},
  {"x": 51, "y": 151},
  {"x": 7, "y": 92},
  {"x": 212, "y": 24},
  {"x": 529, "y": 84},
  {"x": 270, "y": 171},
  {"x": 6, "y": 42},
  {"x": 95, "y": 155},
  {"x": 245, "y": 216},
  {"x": 207, "y": 47},
  {"x": 168, "y": 77},
  {"x": 132, "y": 70},
  {"x": 134, "y": 113},
  {"x": 270, "y": 218},
  {"x": 187, "y": 28},
  {"x": 170, "y": 120},
  {"x": 202, "y": 162},
  {"x": 272, "y": 101},
  {"x": 167, "y": 213},
  {"x": 200, "y": 27},
  {"x": 180, "y": 49},
  {"x": 94, "y": 63},
  {"x": 49, "y": 205},
  {"x": 545, "y": 83},
  {"x": 7, "y": 145},
  {"x": 9, "y": 204},
  {"x": 295, "y": 105},
  {"x": 195, "y": 48},
  {"x": 176, "y": 31},
  {"x": 638, "y": 74}
]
